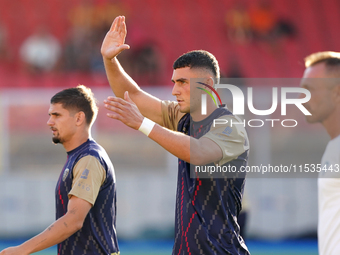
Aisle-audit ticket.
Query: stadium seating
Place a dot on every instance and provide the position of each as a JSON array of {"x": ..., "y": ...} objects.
[{"x": 178, "y": 26}]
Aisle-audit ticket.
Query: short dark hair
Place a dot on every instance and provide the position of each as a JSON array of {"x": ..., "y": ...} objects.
[
  {"x": 198, "y": 59},
  {"x": 79, "y": 98},
  {"x": 330, "y": 58}
]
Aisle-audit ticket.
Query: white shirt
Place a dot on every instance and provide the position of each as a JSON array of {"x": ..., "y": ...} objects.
[
  {"x": 329, "y": 200},
  {"x": 42, "y": 51}
]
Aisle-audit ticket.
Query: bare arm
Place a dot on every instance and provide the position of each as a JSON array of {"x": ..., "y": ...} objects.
[
  {"x": 203, "y": 150},
  {"x": 195, "y": 151},
  {"x": 60, "y": 230},
  {"x": 119, "y": 80}
]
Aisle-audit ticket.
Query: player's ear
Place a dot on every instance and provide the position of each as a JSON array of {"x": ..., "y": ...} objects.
[
  {"x": 210, "y": 81},
  {"x": 80, "y": 118}
]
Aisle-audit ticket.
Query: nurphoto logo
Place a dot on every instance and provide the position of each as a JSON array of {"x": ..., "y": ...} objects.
[{"x": 239, "y": 104}]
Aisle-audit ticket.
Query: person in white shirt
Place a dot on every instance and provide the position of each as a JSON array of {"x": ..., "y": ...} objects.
[
  {"x": 41, "y": 51},
  {"x": 322, "y": 79}
]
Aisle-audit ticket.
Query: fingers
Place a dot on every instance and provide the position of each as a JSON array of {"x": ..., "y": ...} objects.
[
  {"x": 115, "y": 111},
  {"x": 115, "y": 101},
  {"x": 124, "y": 110},
  {"x": 114, "y": 106},
  {"x": 118, "y": 24},
  {"x": 114, "y": 24},
  {"x": 124, "y": 102},
  {"x": 122, "y": 26},
  {"x": 117, "y": 105}
]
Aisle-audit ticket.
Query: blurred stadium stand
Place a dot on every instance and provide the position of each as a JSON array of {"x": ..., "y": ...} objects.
[{"x": 176, "y": 27}]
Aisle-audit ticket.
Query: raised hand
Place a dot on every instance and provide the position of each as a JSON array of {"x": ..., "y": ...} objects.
[
  {"x": 124, "y": 110},
  {"x": 113, "y": 43}
]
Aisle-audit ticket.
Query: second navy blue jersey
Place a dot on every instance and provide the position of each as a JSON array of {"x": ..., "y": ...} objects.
[{"x": 98, "y": 234}]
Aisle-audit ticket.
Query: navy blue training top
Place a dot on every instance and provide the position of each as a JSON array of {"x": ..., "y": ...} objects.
[{"x": 98, "y": 234}]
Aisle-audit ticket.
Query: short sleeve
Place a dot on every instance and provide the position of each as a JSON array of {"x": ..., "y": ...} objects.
[
  {"x": 232, "y": 139},
  {"x": 171, "y": 114},
  {"x": 88, "y": 176}
]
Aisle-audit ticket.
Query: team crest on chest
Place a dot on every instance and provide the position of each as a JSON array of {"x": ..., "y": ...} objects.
[{"x": 65, "y": 173}]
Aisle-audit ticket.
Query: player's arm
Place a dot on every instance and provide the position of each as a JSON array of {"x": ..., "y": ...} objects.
[
  {"x": 203, "y": 151},
  {"x": 119, "y": 80},
  {"x": 60, "y": 230},
  {"x": 195, "y": 151}
]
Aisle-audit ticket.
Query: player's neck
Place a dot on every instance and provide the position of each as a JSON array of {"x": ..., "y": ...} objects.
[
  {"x": 76, "y": 141},
  {"x": 197, "y": 115}
]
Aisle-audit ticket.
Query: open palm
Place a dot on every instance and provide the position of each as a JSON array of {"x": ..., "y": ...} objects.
[{"x": 114, "y": 40}]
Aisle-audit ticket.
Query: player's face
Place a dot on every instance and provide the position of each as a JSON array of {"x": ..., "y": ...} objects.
[
  {"x": 181, "y": 90},
  {"x": 320, "y": 105},
  {"x": 62, "y": 123}
]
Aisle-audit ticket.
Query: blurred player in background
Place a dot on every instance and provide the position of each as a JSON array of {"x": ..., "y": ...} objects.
[
  {"x": 86, "y": 189},
  {"x": 322, "y": 79},
  {"x": 206, "y": 208}
]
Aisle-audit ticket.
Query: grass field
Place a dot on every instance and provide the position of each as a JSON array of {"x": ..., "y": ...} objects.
[{"x": 291, "y": 247}]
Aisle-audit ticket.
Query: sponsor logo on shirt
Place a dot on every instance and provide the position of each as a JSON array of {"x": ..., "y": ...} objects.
[
  {"x": 84, "y": 185},
  {"x": 227, "y": 131},
  {"x": 85, "y": 174},
  {"x": 65, "y": 173}
]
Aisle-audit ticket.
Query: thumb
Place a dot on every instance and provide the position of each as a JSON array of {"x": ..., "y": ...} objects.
[
  {"x": 112, "y": 53},
  {"x": 123, "y": 47},
  {"x": 127, "y": 97}
]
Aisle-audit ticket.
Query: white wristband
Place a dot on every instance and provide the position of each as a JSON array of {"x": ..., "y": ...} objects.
[{"x": 147, "y": 126}]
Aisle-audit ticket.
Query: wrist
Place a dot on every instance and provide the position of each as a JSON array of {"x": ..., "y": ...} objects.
[
  {"x": 146, "y": 126},
  {"x": 108, "y": 60}
]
